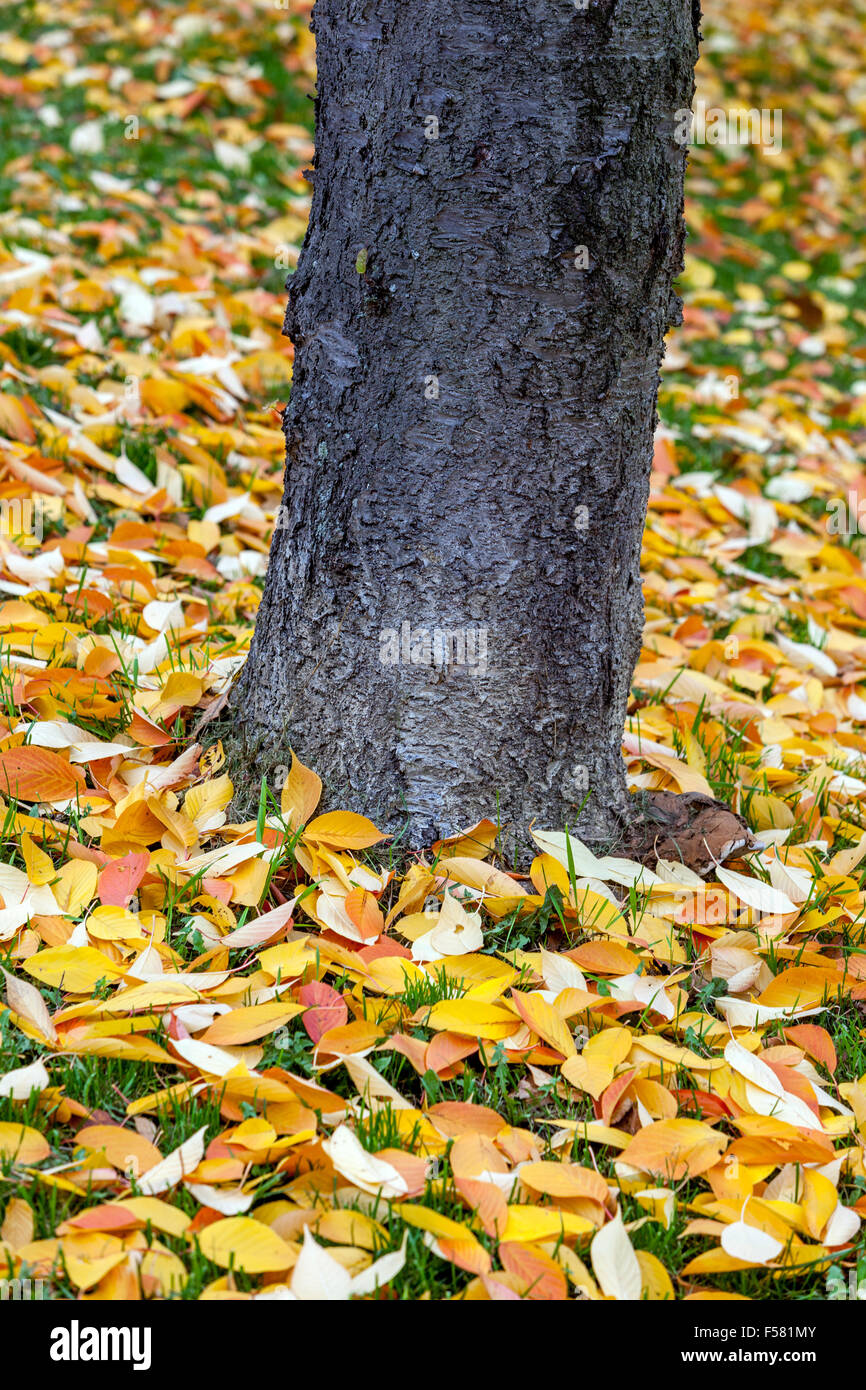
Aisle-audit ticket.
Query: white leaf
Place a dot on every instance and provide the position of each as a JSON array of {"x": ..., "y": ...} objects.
[
  {"x": 231, "y": 156},
  {"x": 806, "y": 657},
  {"x": 352, "y": 1160},
  {"x": 228, "y": 1201},
  {"x": 175, "y": 1166},
  {"x": 646, "y": 989},
  {"x": 136, "y": 307},
  {"x": 842, "y": 1227},
  {"x": 260, "y": 928},
  {"x": 381, "y": 1272},
  {"x": 752, "y": 1068},
  {"x": 205, "y": 1056},
  {"x": 795, "y": 883},
  {"x": 754, "y": 892},
  {"x": 747, "y": 1243},
  {"x": 457, "y": 932},
  {"x": 163, "y": 615},
  {"x": 196, "y": 1017},
  {"x": 131, "y": 476},
  {"x": 87, "y": 138},
  {"x": 757, "y": 512},
  {"x": 787, "y": 1107},
  {"x": 371, "y": 1084},
  {"x": 560, "y": 972},
  {"x": 743, "y": 1013},
  {"x": 614, "y": 1262},
  {"x": 317, "y": 1277},
  {"x": 670, "y": 871},
  {"x": 25, "y": 1000},
  {"x": 39, "y": 571},
  {"x": 20, "y": 1083},
  {"x": 623, "y": 871},
  {"x": 13, "y": 918}
]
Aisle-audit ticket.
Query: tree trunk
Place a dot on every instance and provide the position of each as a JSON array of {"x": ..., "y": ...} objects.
[{"x": 453, "y": 608}]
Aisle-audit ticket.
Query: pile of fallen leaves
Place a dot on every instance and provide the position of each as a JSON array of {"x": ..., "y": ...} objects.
[{"x": 265, "y": 1059}]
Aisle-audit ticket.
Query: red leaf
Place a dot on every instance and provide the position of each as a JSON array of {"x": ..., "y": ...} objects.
[
  {"x": 118, "y": 882},
  {"x": 326, "y": 1008}
]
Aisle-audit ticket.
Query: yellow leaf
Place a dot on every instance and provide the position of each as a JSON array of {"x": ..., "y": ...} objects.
[
  {"x": 472, "y": 1019},
  {"x": 73, "y": 969},
  {"x": 473, "y": 873},
  {"x": 543, "y": 1019},
  {"x": 655, "y": 1281},
  {"x": 205, "y": 803},
  {"x": 76, "y": 886},
  {"x": 433, "y": 1221},
  {"x": 802, "y": 986},
  {"x": 300, "y": 794},
  {"x": 40, "y": 868},
  {"x": 343, "y": 830},
  {"x": 161, "y": 1215},
  {"x": 247, "y": 1245},
  {"x": 565, "y": 1180},
  {"x": 22, "y": 1144},
  {"x": 594, "y": 1069},
  {"x": 17, "y": 1228},
  {"x": 181, "y": 690},
  {"x": 529, "y": 1224},
  {"x": 819, "y": 1201}
]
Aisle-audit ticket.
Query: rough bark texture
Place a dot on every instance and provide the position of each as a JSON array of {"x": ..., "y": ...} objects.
[{"x": 471, "y": 424}]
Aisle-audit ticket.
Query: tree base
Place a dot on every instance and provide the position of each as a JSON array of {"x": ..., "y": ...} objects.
[{"x": 690, "y": 829}]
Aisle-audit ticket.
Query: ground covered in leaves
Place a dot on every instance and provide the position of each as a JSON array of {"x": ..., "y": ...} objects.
[{"x": 272, "y": 1059}]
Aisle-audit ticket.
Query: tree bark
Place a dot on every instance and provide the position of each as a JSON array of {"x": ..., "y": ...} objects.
[{"x": 478, "y": 316}]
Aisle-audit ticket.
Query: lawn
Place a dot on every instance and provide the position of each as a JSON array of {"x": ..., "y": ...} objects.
[{"x": 280, "y": 1056}]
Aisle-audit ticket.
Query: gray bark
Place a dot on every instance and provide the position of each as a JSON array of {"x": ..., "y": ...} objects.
[{"x": 478, "y": 316}]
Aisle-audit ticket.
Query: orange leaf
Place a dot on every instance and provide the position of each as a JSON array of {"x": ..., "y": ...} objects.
[
  {"x": 465, "y": 1254},
  {"x": 815, "y": 1041},
  {"x": 125, "y": 1149},
  {"x": 38, "y": 774},
  {"x": 325, "y": 1009},
  {"x": 454, "y": 1117},
  {"x": 543, "y": 1278},
  {"x": 614, "y": 1093},
  {"x": 675, "y": 1149},
  {"x": 604, "y": 958},
  {"x": 565, "y": 1180},
  {"x": 364, "y": 912},
  {"x": 486, "y": 1200},
  {"x": 445, "y": 1053}
]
